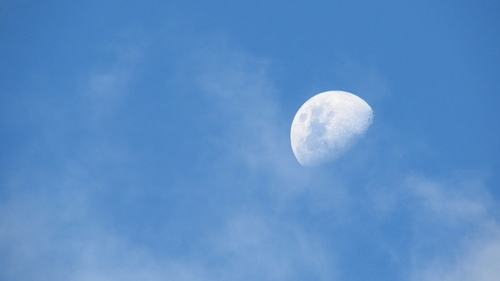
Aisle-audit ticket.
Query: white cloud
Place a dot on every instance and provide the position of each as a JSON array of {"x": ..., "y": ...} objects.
[
  {"x": 58, "y": 229},
  {"x": 282, "y": 227},
  {"x": 258, "y": 247},
  {"x": 454, "y": 201},
  {"x": 457, "y": 214},
  {"x": 477, "y": 258},
  {"x": 56, "y": 234}
]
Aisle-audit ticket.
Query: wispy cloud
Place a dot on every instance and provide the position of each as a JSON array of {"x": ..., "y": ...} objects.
[
  {"x": 457, "y": 217},
  {"x": 246, "y": 210},
  {"x": 476, "y": 259},
  {"x": 57, "y": 224},
  {"x": 257, "y": 246}
]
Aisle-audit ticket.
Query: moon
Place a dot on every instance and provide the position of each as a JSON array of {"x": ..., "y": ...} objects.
[{"x": 327, "y": 125}]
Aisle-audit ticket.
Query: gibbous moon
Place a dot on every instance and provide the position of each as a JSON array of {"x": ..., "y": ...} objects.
[{"x": 327, "y": 125}]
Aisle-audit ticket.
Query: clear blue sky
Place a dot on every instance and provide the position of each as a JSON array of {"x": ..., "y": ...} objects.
[{"x": 150, "y": 141}]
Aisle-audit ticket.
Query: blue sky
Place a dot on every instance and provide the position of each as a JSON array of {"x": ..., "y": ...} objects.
[{"x": 150, "y": 141}]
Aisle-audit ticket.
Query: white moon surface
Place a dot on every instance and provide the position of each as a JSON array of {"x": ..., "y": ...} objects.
[{"x": 327, "y": 125}]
